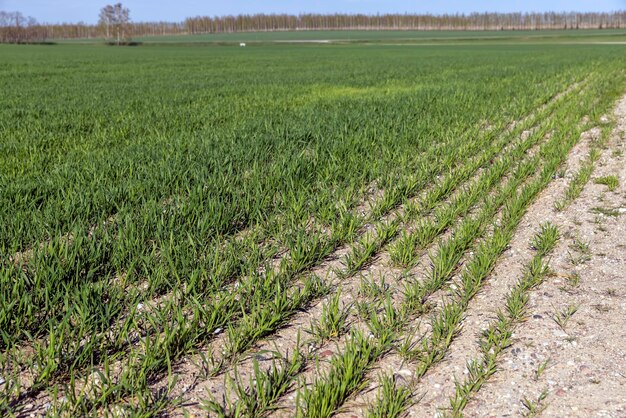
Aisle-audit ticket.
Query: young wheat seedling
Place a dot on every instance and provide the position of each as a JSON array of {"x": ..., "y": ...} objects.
[
  {"x": 257, "y": 397},
  {"x": 534, "y": 408},
  {"x": 333, "y": 321},
  {"x": 345, "y": 377},
  {"x": 372, "y": 290},
  {"x": 207, "y": 365},
  {"x": 541, "y": 369},
  {"x": 581, "y": 254},
  {"x": 544, "y": 241},
  {"x": 611, "y": 182},
  {"x": 393, "y": 399},
  {"x": 563, "y": 317}
]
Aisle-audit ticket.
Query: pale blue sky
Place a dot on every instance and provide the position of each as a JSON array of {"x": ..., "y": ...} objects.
[{"x": 177, "y": 10}]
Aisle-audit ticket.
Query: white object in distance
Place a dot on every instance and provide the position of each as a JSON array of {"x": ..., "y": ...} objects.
[{"x": 242, "y": 44}]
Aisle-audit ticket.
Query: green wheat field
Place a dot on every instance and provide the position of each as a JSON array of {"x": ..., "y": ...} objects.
[{"x": 168, "y": 211}]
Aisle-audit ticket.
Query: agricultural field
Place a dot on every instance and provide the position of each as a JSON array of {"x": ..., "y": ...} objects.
[{"x": 312, "y": 230}]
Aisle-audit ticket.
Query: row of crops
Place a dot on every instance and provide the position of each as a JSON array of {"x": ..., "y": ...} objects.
[{"x": 162, "y": 204}]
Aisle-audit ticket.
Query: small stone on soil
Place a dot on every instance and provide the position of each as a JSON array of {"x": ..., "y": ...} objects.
[
  {"x": 326, "y": 353},
  {"x": 405, "y": 372}
]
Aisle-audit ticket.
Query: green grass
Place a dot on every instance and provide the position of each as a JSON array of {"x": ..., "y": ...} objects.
[
  {"x": 333, "y": 321},
  {"x": 155, "y": 198},
  {"x": 344, "y": 377},
  {"x": 256, "y": 397},
  {"x": 394, "y": 399},
  {"x": 612, "y": 182},
  {"x": 561, "y": 318},
  {"x": 534, "y": 408}
]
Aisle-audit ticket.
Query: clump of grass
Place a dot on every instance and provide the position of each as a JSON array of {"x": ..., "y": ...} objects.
[
  {"x": 581, "y": 251},
  {"x": 580, "y": 178},
  {"x": 360, "y": 254},
  {"x": 545, "y": 241},
  {"x": 581, "y": 246},
  {"x": 373, "y": 290},
  {"x": 577, "y": 183},
  {"x": 612, "y": 182},
  {"x": 265, "y": 316},
  {"x": 402, "y": 251},
  {"x": 393, "y": 399},
  {"x": 606, "y": 211},
  {"x": 207, "y": 365},
  {"x": 332, "y": 322},
  {"x": 477, "y": 373},
  {"x": 572, "y": 281},
  {"x": 257, "y": 396},
  {"x": 535, "y": 407},
  {"x": 541, "y": 369},
  {"x": 561, "y": 318},
  {"x": 444, "y": 328},
  {"x": 385, "y": 324},
  {"x": 345, "y": 377}
]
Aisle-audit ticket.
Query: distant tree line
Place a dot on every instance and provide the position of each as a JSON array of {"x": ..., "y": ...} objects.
[
  {"x": 16, "y": 28},
  {"x": 473, "y": 21}
]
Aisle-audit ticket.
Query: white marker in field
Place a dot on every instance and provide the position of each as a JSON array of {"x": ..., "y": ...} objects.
[{"x": 242, "y": 44}]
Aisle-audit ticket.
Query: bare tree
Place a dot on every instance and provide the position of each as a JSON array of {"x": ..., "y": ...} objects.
[
  {"x": 106, "y": 18},
  {"x": 17, "y": 28},
  {"x": 117, "y": 17}
]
